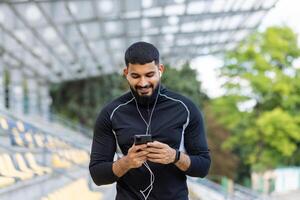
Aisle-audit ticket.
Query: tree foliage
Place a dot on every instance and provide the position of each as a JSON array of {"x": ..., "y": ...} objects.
[
  {"x": 262, "y": 99},
  {"x": 81, "y": 100},
  {"x": 184, "y": 81}
]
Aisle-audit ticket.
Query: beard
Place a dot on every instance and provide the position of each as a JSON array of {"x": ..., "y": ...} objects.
[
  {"x": 143, "y": 99},
  {"x": 142, "y": 93}
]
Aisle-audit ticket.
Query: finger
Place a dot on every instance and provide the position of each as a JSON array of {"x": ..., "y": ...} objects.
[
  {"x": 154, "y": 150},
  {"x": 141, "y": 153},
  {"x": 139, "y": 147},
  {"x": 131, "y": 148},
  {"x": 155, "y": 156},
  {"x": 156, "y": 160},
  {"x": 156, "y": 144},
  {"x": 141, "y": 160}
]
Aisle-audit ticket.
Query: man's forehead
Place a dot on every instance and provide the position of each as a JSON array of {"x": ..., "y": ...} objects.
[{"x": 143, "y": 68}]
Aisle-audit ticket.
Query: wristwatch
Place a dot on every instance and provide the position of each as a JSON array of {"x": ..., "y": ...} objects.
[{"x": 177, "y": 156}]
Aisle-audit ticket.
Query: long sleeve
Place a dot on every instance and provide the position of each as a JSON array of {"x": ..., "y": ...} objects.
[
  {"x": 196, "y": 145},
  {"x": 103, "y": 150}
]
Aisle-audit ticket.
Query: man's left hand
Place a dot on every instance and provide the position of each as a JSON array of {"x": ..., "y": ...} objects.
[{"x": 160, "y": 153}]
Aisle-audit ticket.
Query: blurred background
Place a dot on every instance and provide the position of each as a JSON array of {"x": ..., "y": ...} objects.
[{"x": 61, "y": 61}]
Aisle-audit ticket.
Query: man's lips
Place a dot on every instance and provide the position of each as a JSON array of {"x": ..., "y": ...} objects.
[{"x": 144, "y": 90}]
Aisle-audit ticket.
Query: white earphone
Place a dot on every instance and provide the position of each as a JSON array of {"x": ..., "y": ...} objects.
[{"x": 159, "y": 73}]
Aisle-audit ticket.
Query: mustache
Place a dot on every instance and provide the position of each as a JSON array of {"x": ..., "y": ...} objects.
[{"x": 143, "y": 87}]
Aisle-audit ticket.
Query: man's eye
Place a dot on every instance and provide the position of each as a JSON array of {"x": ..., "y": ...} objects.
[
  {"x": 150, "y": 75},
  {"x": 134, "y": 76}
]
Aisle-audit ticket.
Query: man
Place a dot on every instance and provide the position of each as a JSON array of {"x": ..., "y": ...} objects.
[{"x": 158, "y": 169}]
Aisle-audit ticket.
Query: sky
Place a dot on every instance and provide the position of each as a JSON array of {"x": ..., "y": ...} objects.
[{"x": 286, "y": 12}]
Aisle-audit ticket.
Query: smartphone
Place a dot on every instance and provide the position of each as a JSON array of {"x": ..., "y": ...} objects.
[{"x": 142, "y": 139}]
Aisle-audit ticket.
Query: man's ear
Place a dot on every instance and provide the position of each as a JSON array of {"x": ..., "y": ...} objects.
[
  {"x": 125, "y": 72},
  {"x": 161, "y": 69}
]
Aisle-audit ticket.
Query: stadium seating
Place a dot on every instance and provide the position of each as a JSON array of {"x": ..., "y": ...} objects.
[
  {"x": 24, "y": 167},
  {"x": 36, "y": 167},
  {"x": 25, "y": 135},
  {"x": 60, "y": 162},
  {"x": 39, "y": 158},
  {"x": 8, "y": 169},
  {"x": 6, "y": 181},
  {"x": 77, "y": 190},
  {"x": 67, "y": 158}
]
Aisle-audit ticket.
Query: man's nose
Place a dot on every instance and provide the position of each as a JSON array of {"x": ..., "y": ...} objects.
[{"x": 143, "y": 82}]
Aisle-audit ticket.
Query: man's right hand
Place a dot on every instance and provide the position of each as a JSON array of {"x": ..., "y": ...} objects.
[{"x": 135, "y": 158}]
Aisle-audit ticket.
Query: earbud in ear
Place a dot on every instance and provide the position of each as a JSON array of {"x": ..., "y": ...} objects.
[{"x": 159, "y": 74}]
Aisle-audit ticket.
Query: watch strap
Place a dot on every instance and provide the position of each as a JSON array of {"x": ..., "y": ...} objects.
[{"x": 177, "y": 156}]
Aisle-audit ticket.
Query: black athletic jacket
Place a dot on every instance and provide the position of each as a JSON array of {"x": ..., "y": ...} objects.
[{"x": 176, "y": 121}]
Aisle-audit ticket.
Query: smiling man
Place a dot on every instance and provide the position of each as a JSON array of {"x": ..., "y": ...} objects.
[
  {"x": 143, "y": 81},
  {"x": 157, "y": 169}
]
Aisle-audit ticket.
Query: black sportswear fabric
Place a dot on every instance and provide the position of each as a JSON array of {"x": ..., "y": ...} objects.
[{"x": 174, "y": 116}]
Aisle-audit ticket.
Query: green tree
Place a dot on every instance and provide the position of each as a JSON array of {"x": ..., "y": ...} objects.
[
  {"x": 184, "y": 80},
  {"x": 81, "y": 100},
  {"x": 262, "y": 99}
]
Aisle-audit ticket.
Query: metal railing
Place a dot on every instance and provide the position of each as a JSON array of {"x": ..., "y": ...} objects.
[{"x": 239, "y": 192}]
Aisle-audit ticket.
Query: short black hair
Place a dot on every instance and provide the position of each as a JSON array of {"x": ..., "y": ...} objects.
[{"x": 141, "y": 53}]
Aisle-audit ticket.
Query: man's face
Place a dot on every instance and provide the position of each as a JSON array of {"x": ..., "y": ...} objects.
[{"x": 143, "y": 79}]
